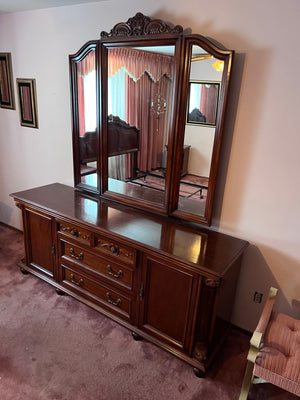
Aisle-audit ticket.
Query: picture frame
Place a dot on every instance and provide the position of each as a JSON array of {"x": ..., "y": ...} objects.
[
  {"x": 7, "y": 98},
  {"x": 202, "y": 105},
  {"x": 27, "y": 102}
]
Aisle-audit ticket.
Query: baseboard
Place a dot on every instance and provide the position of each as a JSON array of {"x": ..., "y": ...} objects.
[
  {"x": 11, "y": 227},
  {"x": 241, "y": 330}
]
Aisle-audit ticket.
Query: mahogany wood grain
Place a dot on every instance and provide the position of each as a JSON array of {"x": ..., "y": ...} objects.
[
  {"x": 169, "y": 281},
  {"x": 39, "y": 241},
  {"x": 202, "y": 248}
]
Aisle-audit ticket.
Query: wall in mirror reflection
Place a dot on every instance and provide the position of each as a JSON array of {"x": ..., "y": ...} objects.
[{"x": 200, "y": 135}]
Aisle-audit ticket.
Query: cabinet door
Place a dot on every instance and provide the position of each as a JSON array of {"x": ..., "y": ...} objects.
[
  {"x": 40, "y": 250},
  {"x": 169, "y": 294}
]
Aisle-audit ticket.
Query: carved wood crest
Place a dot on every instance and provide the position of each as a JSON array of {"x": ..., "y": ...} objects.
[{"x": 141, "y": 25}]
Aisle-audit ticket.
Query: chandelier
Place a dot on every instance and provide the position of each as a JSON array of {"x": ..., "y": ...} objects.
[{"x": 158, "y": 105}]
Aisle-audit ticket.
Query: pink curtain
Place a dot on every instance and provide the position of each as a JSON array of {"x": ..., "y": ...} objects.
[
  {"x": 83, "y": 68},
  {"x": 153, "y": 128},
  {"x": 137, "y": 62},
  {"x": 148, "y": 74},
  {"x": 208, "y": 102},
  {"x": 87, "y": 64},
  {"x": 81, "y": 105}
]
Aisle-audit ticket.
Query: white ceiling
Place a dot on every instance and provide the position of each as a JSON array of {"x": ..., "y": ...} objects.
[{"x": 9, "y": 6}]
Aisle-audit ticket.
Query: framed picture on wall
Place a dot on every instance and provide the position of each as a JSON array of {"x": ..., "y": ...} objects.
[
  {"x": 27, "y": 102},
  {"x": 7, "y": 98},
  {"x": 203, "y": 99}
]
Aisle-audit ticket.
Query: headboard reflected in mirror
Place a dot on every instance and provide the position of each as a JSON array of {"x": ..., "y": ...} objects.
[{"x": 162, "y": 94}]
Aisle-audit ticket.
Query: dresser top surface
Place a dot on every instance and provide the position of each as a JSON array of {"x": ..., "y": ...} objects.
[{"x": 201, "y": 247}]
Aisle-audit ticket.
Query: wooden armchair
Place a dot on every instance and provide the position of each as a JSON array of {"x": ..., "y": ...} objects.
[{"x": 274, "y": 354}]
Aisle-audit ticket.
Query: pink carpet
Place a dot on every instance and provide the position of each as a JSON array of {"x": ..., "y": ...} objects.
[{"x": 55, "y": 348}]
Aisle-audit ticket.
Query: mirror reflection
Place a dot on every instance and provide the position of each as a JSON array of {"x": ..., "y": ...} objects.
[
  {"x": 140, "y": 101},
  {"x": 86, "y": 92},
  {"x": 203, "y": 102},
  {"x": 204, "y": 82}
]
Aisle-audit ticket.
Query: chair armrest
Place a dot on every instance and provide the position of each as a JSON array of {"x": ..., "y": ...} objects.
[
  {"x": 267, "y": 311},
  {"x": 262, "y": 325}
]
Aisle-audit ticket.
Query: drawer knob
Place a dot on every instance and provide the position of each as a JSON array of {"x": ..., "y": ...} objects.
[
  {"x": 111, "y": 272},
  {"x": 74, "y": 232},
  {"x": 73, "y": 280},
  {"x": 113, "y": 249},
  {"x": 115, "y": 303},
  {"x": 73, "y": 254}
]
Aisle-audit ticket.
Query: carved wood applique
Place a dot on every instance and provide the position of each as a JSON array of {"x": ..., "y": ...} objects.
[
  {"x": 140, "y": 25},
  {"x": 74, "y": 232},
  {"x": 116, "y": 250}
]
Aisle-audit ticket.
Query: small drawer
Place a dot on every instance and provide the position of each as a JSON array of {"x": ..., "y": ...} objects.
[
  {"x": 104, "y": 295},
  {"x": 121, "y": 252},
  {"x": 74, "y": 231},
  {"x": 119, "y": 275}
]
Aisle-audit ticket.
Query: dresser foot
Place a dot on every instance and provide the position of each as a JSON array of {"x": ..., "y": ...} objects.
[
  {"x": 199, "y": 373},
  {"x": 24, "y": 271},
  {"x": 136, "y": 336},
  {"x": 59, "y": 292}
]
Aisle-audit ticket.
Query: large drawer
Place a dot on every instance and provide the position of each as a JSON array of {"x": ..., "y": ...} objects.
[
  {"x": 107, "y": 297},
  {"x": 119, "y": 275}
]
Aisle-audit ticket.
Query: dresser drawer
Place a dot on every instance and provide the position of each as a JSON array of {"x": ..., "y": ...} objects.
[
  {"x": 119, "y": 251},
  {"x": 120, "y": 275},
  {"x": 103, "y": 295},
  {"x": 74, "y": 231}
]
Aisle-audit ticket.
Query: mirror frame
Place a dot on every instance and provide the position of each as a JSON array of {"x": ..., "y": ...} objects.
[
  {"x": 143, "y": 203},
  {"x": 227, "y": 57},
  {"x": 74, "y": 59},
  {"x": 144, "y": 31}
]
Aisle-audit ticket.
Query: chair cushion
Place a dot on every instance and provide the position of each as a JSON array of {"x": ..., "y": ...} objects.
[{"x": 278, "y": 360}]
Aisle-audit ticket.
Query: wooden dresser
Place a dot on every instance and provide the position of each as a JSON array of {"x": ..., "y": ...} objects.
[{"x": 170, "y": 282}]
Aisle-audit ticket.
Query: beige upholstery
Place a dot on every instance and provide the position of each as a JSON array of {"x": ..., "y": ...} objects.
[{"x": 274, "y": 354}]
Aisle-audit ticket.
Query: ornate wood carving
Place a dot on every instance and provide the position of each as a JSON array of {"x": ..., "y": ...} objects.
[
  {"x": 200, "y": 351},
  {"x": 140, "y": 25},
  {"x": 213, "y": 283},
  {"x": 74, "y": 232}
]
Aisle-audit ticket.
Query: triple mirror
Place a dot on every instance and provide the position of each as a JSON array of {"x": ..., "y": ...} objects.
[{"x": 148, "y": 106}]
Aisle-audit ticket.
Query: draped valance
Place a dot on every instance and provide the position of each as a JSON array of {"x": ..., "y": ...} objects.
[
  {"x": 137, "y": 62},
  {"x": 87, "y": 65}
]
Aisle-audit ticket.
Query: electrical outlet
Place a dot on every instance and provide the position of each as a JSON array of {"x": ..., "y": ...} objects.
[{"x": 257, "y": 298}]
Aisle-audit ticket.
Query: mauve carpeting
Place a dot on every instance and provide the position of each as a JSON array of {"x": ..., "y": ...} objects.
[{"x": 55, "y": 348}]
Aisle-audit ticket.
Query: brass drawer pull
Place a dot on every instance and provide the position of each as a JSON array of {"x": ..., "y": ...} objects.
[
  {"x": 74, "y": 232},
  {"x": 110, "y": 271},
  {"x": 80, "y": 257},
  {"x": 79, "y": 283},
  {"x": 113, "y": 249},
  {"x": 115, "y": 303}
]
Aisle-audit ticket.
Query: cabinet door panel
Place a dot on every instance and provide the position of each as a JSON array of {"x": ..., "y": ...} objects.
[
  {"x": 39, "y": 242},
  {"x": 168, "y": 305}
]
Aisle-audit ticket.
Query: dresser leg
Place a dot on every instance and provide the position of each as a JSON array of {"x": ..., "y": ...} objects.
[
  {"x": 59, "y": 292},
  {"x": 24, "y": 272},
  {"x": 199, "y": 373},
  {"x": 136, "y": 336}
]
